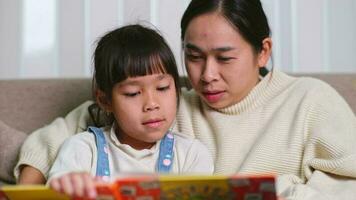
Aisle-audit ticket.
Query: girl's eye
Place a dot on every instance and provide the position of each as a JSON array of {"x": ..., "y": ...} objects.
[
  {"x": 131, "y": 94},
  {"x": 163, "y": 88}
]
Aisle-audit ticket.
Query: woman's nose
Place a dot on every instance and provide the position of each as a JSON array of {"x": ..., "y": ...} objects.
[{"x": 210, "y": 71}]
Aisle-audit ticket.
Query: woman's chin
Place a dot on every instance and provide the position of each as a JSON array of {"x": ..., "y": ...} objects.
[{"x": 216, "y": 104}]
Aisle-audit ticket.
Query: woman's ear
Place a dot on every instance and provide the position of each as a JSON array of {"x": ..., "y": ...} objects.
[
  {"x": 103, "y": 101},
  {"x": 265, "y": 53}
]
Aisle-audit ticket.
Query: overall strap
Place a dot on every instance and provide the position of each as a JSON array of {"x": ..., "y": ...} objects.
[
  {"x": 102, "y": 165},
  {"x": 165, "y": 159}
]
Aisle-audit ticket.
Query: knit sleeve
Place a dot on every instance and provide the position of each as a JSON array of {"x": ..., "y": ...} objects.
[
  {"x": 40, "y": 148},
  {"x": 328, "y": 167}
]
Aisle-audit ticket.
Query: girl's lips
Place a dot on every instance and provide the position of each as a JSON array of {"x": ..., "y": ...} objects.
[
  {"x": 213, "y": 97},
  {"x": 154, "y": 123}
]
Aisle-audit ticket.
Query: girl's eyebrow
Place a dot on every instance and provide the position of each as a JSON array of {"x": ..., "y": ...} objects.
[
  {"x": 130, "y": 82},
  {"x": 218, "y": 49},
  {"x": 162, "y": 76}
]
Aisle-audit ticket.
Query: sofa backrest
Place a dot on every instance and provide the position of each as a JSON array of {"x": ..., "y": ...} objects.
[{"x": 30, "y": 104}]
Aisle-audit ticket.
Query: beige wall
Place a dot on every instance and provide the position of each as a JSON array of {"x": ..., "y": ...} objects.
[{"x": 56, "y": 38}]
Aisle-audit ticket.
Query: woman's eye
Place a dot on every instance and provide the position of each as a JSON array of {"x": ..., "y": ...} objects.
[
  {"x": 192, "y": 57},
  {"x": 131, "y": 94},
  {"x": 164, "y": 88},
  {"x": 224, "y": 59}
]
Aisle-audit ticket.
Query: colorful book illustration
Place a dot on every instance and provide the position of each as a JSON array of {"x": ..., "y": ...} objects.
[{"x": 171, "y": 187}]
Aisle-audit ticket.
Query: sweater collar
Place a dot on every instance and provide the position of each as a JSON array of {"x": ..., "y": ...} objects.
[
  {"x": 137, "y": 154},
  {"x": 269, "y": 86}
]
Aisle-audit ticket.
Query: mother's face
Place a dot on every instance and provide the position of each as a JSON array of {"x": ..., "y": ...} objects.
[{"x": 222, "y": 66}]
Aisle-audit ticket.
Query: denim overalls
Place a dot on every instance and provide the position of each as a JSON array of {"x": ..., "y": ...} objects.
[{"x": 164, "y": 162}]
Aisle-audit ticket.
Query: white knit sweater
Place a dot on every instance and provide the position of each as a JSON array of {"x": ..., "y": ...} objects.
[{"x": 299, "y": 128}]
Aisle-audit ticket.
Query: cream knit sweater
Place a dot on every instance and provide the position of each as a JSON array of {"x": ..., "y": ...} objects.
[{"x": 298, "y": 128}]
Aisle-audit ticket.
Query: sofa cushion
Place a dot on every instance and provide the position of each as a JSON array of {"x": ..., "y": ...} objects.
[{"x": 10, "y": 143}]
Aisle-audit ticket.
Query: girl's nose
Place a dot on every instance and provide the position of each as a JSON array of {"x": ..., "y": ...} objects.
[{"x": 150, "y": 104}]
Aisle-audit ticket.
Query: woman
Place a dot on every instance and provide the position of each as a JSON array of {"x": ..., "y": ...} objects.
[{"x": 299, "y": 128}]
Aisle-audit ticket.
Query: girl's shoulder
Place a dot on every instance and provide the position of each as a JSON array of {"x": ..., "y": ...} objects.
[
  {"x": 187, "y": 142},
  {"x": 84, "y": 138}
]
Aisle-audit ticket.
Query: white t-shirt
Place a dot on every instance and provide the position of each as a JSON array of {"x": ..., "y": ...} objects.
[{"x": 79, "y": 153}]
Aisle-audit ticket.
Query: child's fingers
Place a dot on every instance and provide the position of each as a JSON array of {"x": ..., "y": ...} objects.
[
  {"x": 78, "y": 183},
  {"x": 66, "y": 184},
  {"x": 101, "y": 179},
  {"x": 89, "y": 186},
  {"x": 75, "y": 185},
  {"x": 55, "y": 185}
]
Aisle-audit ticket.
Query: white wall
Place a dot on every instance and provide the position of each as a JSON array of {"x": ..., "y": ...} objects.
[{"x": 56, "y": 38}]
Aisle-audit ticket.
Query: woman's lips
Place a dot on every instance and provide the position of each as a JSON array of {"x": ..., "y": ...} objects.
[
  {"x": 153, "y": 123},
  {"x": 214, "y": 96}
]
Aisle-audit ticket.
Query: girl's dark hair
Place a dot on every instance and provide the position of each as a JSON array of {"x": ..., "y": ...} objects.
[
  {"x": 246, "y": 16},
  {"x": 130, "y": 51}
]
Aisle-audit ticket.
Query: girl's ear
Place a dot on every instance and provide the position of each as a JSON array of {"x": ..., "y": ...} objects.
[
  {"x": 103, "y": 101},
  {"x": 265, "y": 53}
]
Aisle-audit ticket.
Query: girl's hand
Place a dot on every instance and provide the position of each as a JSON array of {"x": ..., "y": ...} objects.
[{"x": 75, "y": 184}]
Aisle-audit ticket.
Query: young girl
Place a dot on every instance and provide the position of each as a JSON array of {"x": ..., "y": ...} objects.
[{"x": 136, "y": 84}]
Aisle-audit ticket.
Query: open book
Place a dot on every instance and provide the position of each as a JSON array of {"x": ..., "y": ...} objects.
[{"x": 151, "y": 187}]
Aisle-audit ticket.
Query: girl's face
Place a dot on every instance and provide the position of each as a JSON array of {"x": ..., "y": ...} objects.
[
  {"x": 144, "y": 108},
  {"x": 221, "y": 64}
]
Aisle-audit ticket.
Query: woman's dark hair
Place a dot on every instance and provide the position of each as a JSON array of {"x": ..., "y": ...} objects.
[
  {"x": 246, "y": 16},
  {"x": 130, "y": 51}
]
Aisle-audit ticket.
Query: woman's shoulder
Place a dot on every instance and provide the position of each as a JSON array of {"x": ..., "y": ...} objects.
[
  {"x": 311, "y": 85},
  {"x": 303, "y": 90},
  {"x": 317, "y": 92},
  {"x": 301, "y": 84}
]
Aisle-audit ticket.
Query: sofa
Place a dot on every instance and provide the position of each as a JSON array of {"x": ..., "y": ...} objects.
[{"x": 26, "y": 105}]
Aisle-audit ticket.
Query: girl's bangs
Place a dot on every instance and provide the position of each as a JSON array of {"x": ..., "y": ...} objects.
[{"x": 145, "y": 65}]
